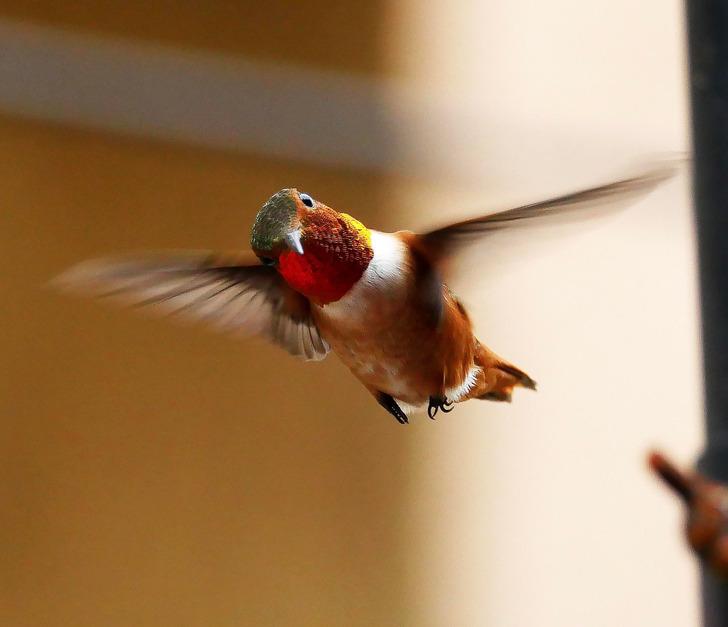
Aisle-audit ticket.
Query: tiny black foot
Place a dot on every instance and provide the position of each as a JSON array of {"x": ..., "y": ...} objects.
[
  {"x": 386, "y": 401},
  {"x": 437, "y": 404}
]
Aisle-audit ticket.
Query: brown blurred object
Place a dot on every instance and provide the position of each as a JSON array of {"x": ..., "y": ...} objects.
[{"x": 707, "y": 507}]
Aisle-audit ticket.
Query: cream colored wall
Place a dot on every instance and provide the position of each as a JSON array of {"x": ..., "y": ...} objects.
[{"x": 542, "y": 512}]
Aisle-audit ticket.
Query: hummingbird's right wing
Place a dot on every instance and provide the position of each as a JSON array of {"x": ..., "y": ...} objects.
[
  {"x": 234, "y": 293},
  {"x": 442, "y": 242}
]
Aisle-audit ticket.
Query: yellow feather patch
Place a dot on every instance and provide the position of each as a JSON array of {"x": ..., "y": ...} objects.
[{"x": 363, "y": 231}]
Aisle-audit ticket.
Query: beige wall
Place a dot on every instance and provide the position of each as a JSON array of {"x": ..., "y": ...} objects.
[{"x": 543, "y": 511}]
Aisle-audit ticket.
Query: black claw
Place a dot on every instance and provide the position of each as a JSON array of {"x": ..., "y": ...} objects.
[
  {"x": 437, "y": 404},
  {"x": 386, "y": 401}
]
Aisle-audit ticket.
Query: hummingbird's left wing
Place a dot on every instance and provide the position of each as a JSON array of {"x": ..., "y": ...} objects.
[
  {"x": 233, "y": 293},
  {"x": 442, "y": 242}
]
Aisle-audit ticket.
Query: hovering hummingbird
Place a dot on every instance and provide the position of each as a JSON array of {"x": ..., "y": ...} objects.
[{"x": 318, "y": 280}]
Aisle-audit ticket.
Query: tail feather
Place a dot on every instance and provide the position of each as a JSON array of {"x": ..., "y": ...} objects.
[
  {"x": 521, "y": 377},
  {"x": 499, "y": 377}
]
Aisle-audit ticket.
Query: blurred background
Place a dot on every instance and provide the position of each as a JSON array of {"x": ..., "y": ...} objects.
[{"x": 157, "y": 475}]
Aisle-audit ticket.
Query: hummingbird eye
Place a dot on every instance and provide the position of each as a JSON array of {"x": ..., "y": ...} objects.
[
  {"x": 307, "y": 200},
  {"x": 267, "y": 261}
]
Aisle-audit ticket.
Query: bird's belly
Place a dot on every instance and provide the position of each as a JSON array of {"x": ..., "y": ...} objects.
[
  {"x": 389, "y": 348},
  {"x": 386, "y": 360}
]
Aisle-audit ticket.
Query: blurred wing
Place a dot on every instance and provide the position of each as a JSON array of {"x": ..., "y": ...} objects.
[
  {"x": 582, "y": 204},
  {"x": 233, "y": 293}
]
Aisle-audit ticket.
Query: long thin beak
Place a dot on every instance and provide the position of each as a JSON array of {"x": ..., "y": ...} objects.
[{"x": 293, "y": 240}]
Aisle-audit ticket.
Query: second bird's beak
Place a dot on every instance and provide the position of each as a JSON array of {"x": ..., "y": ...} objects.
[{"x": 293, "y": 241}]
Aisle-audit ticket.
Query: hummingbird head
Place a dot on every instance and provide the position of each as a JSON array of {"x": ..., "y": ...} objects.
[
  {"x": 320, "y": 252},
  {"x": 277, "y": 227}
]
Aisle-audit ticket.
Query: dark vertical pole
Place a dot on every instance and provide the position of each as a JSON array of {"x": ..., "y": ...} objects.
[{"x": 708, "y": 42}]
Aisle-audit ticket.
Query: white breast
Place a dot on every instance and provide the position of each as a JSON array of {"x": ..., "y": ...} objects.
[{"x": 385, "y": 274}]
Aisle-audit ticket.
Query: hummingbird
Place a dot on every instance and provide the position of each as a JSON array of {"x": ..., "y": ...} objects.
[{"x": 317, "y": 280}]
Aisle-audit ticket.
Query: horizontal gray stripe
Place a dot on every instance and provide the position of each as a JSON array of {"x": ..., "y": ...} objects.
[{"x": 193, "y": 97}]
